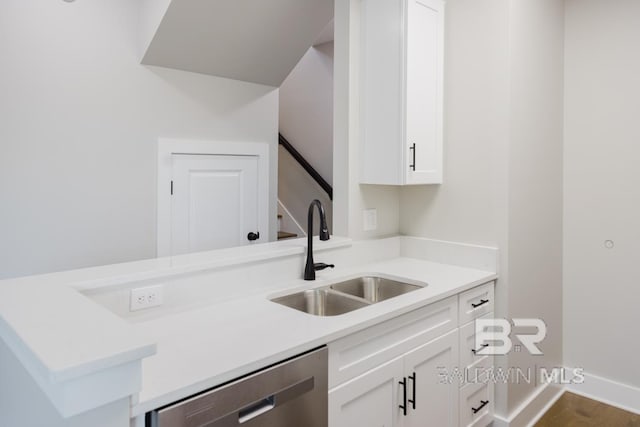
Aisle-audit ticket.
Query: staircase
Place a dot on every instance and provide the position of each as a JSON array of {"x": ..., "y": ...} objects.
[
  {"x": 298, "y": 184},
  {"x": 282, "y": 235}
]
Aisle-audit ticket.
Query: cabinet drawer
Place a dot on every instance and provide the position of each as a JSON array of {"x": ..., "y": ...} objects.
[
  {"x": 370, "y": 348},
  {"x": 476, "y": 405},
  {"x": 476, "y": 302},
  {"x": 468, "y": 356}
]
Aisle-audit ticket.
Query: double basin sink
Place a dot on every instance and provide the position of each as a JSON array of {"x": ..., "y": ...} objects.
[{"x": 346, "y": 296}]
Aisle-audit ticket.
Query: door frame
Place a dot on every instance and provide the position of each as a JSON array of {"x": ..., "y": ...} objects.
[{"x": 167, "y": 147}]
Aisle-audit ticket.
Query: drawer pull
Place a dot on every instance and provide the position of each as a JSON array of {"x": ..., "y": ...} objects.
[
  {"x": 479, "y": 408},
  {"x": 412, "y": 377},
  {"x": 403, "y": 383},
  {"x": 474, "y": 351},
  {"x": 482, "y": 302}
]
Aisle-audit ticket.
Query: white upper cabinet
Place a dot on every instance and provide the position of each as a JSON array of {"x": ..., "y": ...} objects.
[{"x": 400, "y": 74}]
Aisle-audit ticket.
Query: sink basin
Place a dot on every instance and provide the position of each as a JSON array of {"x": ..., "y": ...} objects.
[
  {"x": 374, "y": 289},
  {"x": 321, "y": 302},
  {"x": 346, "y": 296}
]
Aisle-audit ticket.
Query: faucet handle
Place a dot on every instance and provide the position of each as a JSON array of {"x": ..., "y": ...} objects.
[{"x": 321, "y": 266}]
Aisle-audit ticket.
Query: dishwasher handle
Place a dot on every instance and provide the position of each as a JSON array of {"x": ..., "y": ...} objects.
[
  {"x": 255, "y": 410},
  {"x": 266, "y": 404}
]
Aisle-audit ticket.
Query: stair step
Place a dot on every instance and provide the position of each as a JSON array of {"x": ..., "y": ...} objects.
[{"x": 286, "y": 235}]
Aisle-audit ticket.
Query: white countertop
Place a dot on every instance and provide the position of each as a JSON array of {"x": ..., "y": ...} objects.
[
  {"x": 201, "y": 348},
  {"x": 61, "y": 334}
]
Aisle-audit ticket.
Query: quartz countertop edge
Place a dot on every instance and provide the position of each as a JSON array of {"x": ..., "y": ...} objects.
[
  {"x": 103, "y": 340},
  {"x": 251, "y": 331},
  {"x": 72, "y": 348}
]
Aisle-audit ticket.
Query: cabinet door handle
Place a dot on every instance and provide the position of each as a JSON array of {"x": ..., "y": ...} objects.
[
  {"x": 482, "y": 302},
  {"x": 474, "y": 351},
  {"x": 412, "y": 377},
  {"x": 483, "y": 404},
  {"x": 413, "y": 149},
  {"x": 403, "y": 383}
]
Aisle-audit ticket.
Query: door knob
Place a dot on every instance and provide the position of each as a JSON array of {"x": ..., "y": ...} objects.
[{"x": 253, "y": 236}]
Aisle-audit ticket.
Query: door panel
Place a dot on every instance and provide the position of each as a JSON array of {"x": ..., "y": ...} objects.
[
  {"x": 424, "y": 86},
  {"x": 436, "y": 400},
  {"x": 370, "y": 400},
  {"x": 214, "y": 203}
]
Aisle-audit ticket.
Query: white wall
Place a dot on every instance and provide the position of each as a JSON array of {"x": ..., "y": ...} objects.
[
  {"x": 349, "y": 197},
  {"x": 296, "y": 190},
  {"x": 535, "y": 179},
  {"x": 470, "y": 205},
  {"x": 503, "y": 161},
  {"x": 151, "y": 14},
  {"x": 306, "y": 108},
  {"x": 80, "y": 123},
  {"x": 602, "y": 192},
  {"x": 306, "y": 121}
]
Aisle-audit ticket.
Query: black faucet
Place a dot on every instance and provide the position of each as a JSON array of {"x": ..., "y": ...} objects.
[{"x": 311, "y": 267}]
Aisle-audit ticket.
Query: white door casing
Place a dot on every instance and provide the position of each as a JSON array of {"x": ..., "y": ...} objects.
[{"x": 220, "y": 194}]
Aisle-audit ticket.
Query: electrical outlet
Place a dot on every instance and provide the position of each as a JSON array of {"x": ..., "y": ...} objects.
[
  {"x": 147, "y": 297},
  {"x": 369, "y": 219}
]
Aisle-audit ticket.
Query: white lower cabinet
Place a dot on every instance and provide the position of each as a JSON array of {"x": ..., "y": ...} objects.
[
  {"x": 370, "y": 399},
  {"x": 434, "y": 400},
  {"x": 476, "y": 405},
  {"x": 408, "y": 391},
  {"x": 403, "y": 372}
]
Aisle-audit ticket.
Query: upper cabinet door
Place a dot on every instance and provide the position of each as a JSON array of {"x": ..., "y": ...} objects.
[
  {"x": 400, "y": 75},
  {"x": 215, "y": 202},
  {"x": 424, "y": 70}
]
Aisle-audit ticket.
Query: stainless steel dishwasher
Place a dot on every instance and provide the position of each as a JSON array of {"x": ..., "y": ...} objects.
[{"x": 290, "y": 394}]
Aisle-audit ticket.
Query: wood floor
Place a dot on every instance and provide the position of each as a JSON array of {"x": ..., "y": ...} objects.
[{"x": 572, "y": 410}]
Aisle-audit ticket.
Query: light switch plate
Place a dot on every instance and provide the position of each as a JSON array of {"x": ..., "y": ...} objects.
[{"x": 369, "y": 219}]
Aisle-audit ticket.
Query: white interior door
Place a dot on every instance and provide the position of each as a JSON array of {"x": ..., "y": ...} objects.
[{"x": 215, "y": 202}]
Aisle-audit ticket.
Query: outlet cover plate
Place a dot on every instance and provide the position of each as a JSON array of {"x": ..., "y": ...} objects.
[
  {"x": 369, "y": 219},
  {"x": 147, "y": 297}
]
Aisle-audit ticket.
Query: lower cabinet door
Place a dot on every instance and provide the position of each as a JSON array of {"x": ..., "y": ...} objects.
[
  {"x": 432, "y": 394},
  {"x": 370, "y": 400}
]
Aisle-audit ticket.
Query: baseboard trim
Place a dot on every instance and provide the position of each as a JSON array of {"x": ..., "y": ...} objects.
[
  {"x": 607, "y": 391},
  {"x": 530, "y": 411}
]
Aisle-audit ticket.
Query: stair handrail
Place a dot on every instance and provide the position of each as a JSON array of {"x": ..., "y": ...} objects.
[{"x": 306, "y": 165}]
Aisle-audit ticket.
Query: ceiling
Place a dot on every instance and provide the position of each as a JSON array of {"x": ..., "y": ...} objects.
[{"x": 251, "y": 40}]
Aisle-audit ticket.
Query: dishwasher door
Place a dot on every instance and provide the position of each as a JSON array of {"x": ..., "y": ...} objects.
[{"x": 290, "y": 394}]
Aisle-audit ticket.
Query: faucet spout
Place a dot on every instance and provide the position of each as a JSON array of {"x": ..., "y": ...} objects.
[{"x": 310, "y": 267}]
